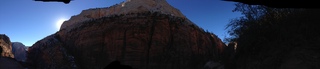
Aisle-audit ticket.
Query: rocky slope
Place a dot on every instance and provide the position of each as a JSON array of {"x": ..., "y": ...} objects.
[
  {"x": 7, "y": 60},
  {"x": 49, "y": 53},
  {"x": 5, "y": 44},
  {"x": 19, "y": 51},
  {"x": 145, "y": 39}
]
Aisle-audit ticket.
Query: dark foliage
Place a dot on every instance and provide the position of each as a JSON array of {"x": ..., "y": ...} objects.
[
  {"x": 280, "y": 3},
  {"x": 269, "y": 37}
]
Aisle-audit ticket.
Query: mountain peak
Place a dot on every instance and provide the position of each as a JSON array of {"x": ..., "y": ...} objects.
[{"x": 128, "y": 6}]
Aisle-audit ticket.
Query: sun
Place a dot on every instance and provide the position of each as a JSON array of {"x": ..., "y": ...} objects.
[{"x": 59, "y": 23}]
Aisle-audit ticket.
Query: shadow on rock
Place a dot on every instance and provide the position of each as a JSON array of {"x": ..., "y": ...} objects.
[{"x": 117, "y": 65}]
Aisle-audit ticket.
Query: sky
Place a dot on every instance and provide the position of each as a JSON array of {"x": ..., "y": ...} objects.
[{"x": 29, "y": 21}]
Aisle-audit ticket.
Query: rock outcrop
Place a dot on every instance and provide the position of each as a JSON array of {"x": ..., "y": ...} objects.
[
  {"x": 136, "y": 39},
  {"x": 19, "y": 51},
  {"x": 5, "y": 44},
  {"x": 48, "y": 53},
  {"x": 129, "y": 6},
  {"x": 146, "y": 39},
  {"x": 7, "y": 60}
]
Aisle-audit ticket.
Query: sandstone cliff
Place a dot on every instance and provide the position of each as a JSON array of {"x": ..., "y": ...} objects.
[
  {"x": 129, "y": 6},
  {"x": 143, "y": 39},
  {"x": 5, "y": 44}
]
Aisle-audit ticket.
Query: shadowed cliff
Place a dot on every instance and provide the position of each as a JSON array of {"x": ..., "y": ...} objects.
[
  {"x": 144, "y": 34},
  {"x": 141, "y": 40}
]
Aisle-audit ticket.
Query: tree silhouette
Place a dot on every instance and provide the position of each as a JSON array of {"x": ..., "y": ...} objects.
[{"x": 263, "y": 32}]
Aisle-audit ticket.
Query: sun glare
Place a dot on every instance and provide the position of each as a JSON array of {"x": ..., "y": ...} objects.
[{"x": 59, "y": 23}]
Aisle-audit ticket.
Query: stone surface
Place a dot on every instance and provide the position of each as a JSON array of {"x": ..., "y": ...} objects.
[
  {"x": 5, "y": 44},
  {"x": 19, "y": 51},
  {"x": 7, "y": 60},
  {"x": 144, "y": 34},
  {"x": 129, "y": 6},
  {"x": 48, "y": 53},
  {"x": 141, "y": 40}
]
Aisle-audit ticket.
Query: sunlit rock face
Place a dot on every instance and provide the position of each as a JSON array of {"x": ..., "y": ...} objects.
[
  {"x": 142, "y": 39},
  {"x": 5, "y": 44},
  {"x": 19, "y": 51},
  {"x": 129, "y": 6}
]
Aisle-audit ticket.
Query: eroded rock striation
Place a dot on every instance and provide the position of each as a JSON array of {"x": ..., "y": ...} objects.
[
  {"x": 142, "y": 39},
  {"x": 128, "y": 6}
]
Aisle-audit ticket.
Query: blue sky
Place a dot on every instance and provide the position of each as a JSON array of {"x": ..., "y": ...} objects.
[{"x": 28, "y": 21}]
